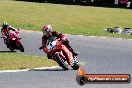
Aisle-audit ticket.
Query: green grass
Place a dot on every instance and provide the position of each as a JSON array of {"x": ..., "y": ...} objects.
[
  {"x": 11, "y": 61},
  {"x": 71, "y": 19}
]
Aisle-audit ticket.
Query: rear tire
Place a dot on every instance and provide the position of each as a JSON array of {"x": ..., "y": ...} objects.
[
  {"x": 75, "y": 66},
  {"x": 61, "y": 62}
]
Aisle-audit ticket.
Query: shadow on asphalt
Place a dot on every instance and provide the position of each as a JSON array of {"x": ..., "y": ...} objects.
[{"x": 7, "y": 51}]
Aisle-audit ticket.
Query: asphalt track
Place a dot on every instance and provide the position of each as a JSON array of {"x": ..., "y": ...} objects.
[{"x": 96, "y": 54}]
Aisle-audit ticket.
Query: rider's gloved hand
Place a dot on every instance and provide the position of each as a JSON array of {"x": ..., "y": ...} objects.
[
  {"x": 40, "y": 48},
  {"x": 59, "y": 39}
]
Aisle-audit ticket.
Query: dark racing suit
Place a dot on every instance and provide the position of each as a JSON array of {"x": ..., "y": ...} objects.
[
  {"x": 58, "y": 35},
  {"x": 5, "y": 34}
]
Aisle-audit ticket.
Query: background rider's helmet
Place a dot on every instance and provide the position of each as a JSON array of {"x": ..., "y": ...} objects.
[
  {"x": 47, "y": 30},
  {"x": 5, "y": 25}
]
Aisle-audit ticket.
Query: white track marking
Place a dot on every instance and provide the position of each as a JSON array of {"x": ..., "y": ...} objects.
[
  {"x": 38, "y": 69},
  {"x": 24, "y": 70},
  {"x": 46, "y": 68},
  {"x": 5, "y": 71},
  {"x": 77, "y": 35}
]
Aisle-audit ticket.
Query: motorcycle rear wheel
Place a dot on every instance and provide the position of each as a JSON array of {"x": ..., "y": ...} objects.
[
  {"x": 75, "y": 66},
  {"x": 61, "y": 61}
]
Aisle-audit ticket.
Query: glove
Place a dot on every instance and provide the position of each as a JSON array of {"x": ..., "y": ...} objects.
[
  {"x": 40, "y": 48},
  {"x": 59, "y": 39}
]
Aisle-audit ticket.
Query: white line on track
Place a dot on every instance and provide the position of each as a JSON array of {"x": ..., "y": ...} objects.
[
  {"x": 70, "y": 34},
  {"x": 24, "y": 70},
  {"x": 38, "y": 69},
  {"x": 46, "y": 68},
  {"x": 5, "y": 71},
  {"x": 78, "y": 35}
]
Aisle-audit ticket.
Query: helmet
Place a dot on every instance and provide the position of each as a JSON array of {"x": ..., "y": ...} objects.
[
  {"x": 5, "y": 25},
  {"x": 47, "y": 30}
]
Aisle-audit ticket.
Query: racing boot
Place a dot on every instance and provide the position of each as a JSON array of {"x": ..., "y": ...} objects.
[
  {"x": 74, "y": 53},
  {"x": 66, "y": 43}
]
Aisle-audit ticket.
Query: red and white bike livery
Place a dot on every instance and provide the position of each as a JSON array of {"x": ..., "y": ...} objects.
[
  {"x": 13, "y": 40},
  {"x": 61, "y": 54}
]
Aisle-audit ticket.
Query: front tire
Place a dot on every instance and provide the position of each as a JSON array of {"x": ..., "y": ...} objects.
[
  {"x": 61, "y": 61},
  {"x": 11, "y": 47},
  {"x": 20, "y": 47}
]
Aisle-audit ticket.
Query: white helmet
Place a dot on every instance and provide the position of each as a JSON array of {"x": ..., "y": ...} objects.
[{"x": 47, "y": 29}]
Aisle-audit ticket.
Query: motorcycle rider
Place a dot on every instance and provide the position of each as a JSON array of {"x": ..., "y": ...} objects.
[
  {"x": 5, "y": 32},
  {"x": 47, "y": 33}
]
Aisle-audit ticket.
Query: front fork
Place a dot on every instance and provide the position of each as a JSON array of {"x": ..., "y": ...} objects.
[
  {"x": 73, "y": 61},
  {"x": 17, "y": 42},
  {"x": 62, "y": 55}
]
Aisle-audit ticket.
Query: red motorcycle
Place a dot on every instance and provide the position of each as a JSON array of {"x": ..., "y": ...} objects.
[
  {"x": 61, "y": 54},
  {"x": 13, "y": 40}
]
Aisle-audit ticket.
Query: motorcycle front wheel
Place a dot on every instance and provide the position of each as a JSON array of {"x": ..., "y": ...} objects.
[
  {"x": 61, "y": 61},
  {"x": 11, "y": 47},
  {"x": 20, "y": 47}
]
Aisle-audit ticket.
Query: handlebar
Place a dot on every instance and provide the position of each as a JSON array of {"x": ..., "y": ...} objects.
[{"x": 59, "y": 39}]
